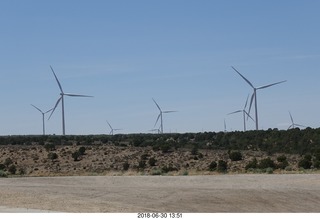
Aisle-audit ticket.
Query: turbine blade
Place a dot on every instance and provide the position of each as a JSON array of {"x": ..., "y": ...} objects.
[
  {"x": 156, "y": 104},
  {"x": 248, "y": 115},
  {"x": 170, "y": 111},
  {"x": 109, "y": 125},
  {"x": 245, "y": 106},
  {"x": 37, "y": 108},
  {"x": 238, "y": 111},
  {"x": 54, "y": 108},
  {"x": 291, "y": 117},
  {"x": 157, "y": 120},
  {"x": 76, "y": 95},
  {"x": 48, "y": 111},
  {"x": 290, "y": 126},
  {"x": 252, "y": 97},
  {"x": 269, "y": 85},
  {"x": 300, "y": 125},
  {"x": 243, "y": 77},
  {"x": 56, "y": 79}
]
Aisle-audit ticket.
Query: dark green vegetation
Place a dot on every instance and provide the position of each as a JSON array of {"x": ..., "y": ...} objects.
[
  {"x": 273, "y": 141},
  {"x": 305, "y": 143}
]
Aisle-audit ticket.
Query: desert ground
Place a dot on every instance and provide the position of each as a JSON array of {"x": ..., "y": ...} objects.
[{"x": 213, "y": 193}]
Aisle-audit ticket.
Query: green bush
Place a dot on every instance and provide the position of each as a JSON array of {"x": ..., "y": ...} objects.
[
  {"x": 3, "y": 174},
  {"x": 142, "y": 164},
  {"x": 76, "y": 156},
  {"x": 156, "y": 172},
  {"x": 52, "y": 156},
  {"x": 282, "y": 158},
  {"x": 7, "y": 162},
  {"x": 169, "y": 168},
  {"x": 50, "y": 147},
  {"x": 282, "y": 165},
  {"x": 316, "y": 164},
  {"x": 265, "y": 163},
  {"x": 2, "y": 166},
  {"x": 82, "y": 150},
  {"x": 235, "y": 156},
  {"x": 305, "y": 163},
  {"x": 12, "y": 169},
  {"x": 222, "y": 166},
  {"x": 252, "y": 164},
  {"x": 152, "y": 161},
  {"x": 213, "y": 166},
  {"x": 269, "y": 170},
  {"x": 126, "y": 166}
]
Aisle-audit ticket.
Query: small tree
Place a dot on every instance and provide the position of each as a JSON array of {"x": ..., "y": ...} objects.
[
  {"x": 213, "y": 166},
  {"x": 52, "y": 156},
  {"x": 8, "y": 161},
  {"x": 82, "y": 150},
  {"x": 235, "y": 156},
  {"x": 265, "y": 163},
  {"x": 152, "y": 161},
  {"x": 252, "y": 164},
  {"x": 222, "y": 166},
  {"x": 76, "y": 156},
  {"x": 305, "y": 163},
  {"x": 50, "y": 147},
  {"x": 2, "y": 166},
  {"x": 12, "y": 169},
  {"x": 142, "y": 164},
  {"x": 126, "y": 166}
]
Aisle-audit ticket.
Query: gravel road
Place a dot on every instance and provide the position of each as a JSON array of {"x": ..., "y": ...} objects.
[{"x": 193, "y": 194}]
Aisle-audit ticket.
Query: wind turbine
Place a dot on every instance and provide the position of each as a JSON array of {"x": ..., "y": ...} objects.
[
  {"x": 244, "y": 112},
  {"x": 293, "y": 125},
  {"x": 62, "y": 94},
  {"x": 43, "y": 126},
  {"x": 160, "y": 116},
  {"x": 254, "y": 95},
  {"x": 225, "y": 125},
  {"x": 112, "y": 129}
]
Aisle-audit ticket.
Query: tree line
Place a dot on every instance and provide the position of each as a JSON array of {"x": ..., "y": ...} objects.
[{"x": 293, "y": 141}]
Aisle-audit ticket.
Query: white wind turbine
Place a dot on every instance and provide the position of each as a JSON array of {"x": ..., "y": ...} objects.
[
  {"x": 62, "y": 94},
  {"x": 160, "y": 116},
  {"x": 244, "y": 112},
  {"x": 112, "y": 129},
  {"x": 254, "y": 95},
  {"x": 294, "y": 125},
  {"x": 43, "y": 125}
]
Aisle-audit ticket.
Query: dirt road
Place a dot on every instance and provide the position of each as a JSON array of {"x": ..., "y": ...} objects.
[{"x": 215, "y": 193}]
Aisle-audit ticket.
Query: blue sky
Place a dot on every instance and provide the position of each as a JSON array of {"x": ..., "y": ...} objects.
[{"x": 125, "y": 53}]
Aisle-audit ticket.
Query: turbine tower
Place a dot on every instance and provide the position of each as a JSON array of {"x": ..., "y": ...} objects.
[
  {"x": 43, "y": 125},
  {"x": 294, "y": 125},
  {"x": 112, "y": 129},
  {"x": 254, "y": 95},
  {"x": 244, "y": 112},
  {"x": 62, "y": 94},
  {"x": 160, "y": 116}
]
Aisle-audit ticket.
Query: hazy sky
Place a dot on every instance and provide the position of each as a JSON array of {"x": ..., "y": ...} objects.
[{"x": 125, "y": 53}]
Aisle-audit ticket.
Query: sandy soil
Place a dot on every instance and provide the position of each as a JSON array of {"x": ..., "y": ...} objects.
[{"x": 215, "y": 193}]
